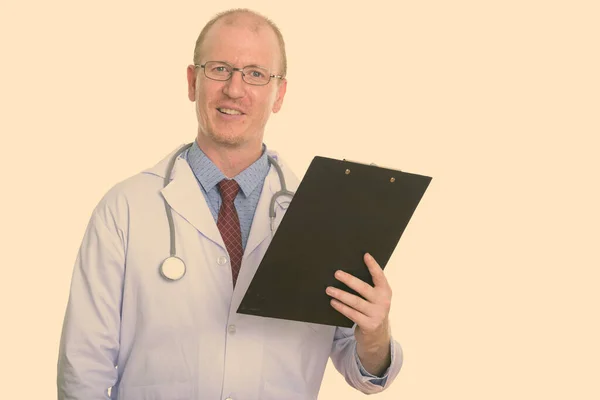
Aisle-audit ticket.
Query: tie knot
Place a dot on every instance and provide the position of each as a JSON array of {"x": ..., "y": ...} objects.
[{"x": 229, "y": 189}]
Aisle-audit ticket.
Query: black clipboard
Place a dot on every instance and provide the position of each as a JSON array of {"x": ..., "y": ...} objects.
[{"x": 341, "y": 210}]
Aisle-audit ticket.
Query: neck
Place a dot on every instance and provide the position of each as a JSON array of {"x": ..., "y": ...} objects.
[{"x": 231, "y": 160}]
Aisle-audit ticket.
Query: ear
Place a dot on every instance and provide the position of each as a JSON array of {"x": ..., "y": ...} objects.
[
  {"x": 280, "y": 94},
  {"x": 191, "y": 79}
]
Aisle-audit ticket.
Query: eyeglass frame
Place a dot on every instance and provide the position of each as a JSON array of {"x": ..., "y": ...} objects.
[{"x": 241, "y": 70}]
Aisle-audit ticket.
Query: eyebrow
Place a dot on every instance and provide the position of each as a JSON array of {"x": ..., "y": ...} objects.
[{"x": 249, "y": 65}]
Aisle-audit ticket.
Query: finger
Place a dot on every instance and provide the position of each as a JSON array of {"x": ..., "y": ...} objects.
[
  {"x": 376, "y": 271},
  {"x": 359, "y": 286},
  {"x": 352, "y": 301},
  {"x": 355, "y": 316}
]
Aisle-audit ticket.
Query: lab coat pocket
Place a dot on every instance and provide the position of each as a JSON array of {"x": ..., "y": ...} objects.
[{"x": 169, "y": 391}]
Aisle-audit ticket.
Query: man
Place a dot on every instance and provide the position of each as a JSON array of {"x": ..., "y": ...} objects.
[{"x": 129, "y": 329}]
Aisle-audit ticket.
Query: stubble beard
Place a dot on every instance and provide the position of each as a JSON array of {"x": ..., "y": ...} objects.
[{"x": 223, "y": 139}]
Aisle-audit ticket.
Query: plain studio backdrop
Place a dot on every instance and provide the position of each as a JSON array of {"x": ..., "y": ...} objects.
[{"x": 496, "y": 278}]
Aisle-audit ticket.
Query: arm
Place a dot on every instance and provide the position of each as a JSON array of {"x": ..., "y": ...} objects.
[
  {"x": 89, "y": 343},
  {"x": 345, "y": 358},
  {"x": 366, "y": 355}
]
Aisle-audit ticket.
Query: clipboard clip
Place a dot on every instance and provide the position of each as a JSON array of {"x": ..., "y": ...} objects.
[
  {"x": 356, "y": 162},
  {"x": 370, "y": 165},
  {"x": 392, "y": 179}
]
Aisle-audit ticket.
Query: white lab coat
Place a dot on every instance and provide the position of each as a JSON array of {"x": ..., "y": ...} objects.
[{"x": 183, "y": 340}]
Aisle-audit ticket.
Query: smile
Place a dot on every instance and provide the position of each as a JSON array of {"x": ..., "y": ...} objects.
[{"x": 229, "y": 111}]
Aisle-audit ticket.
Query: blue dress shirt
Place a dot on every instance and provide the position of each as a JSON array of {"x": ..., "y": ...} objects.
[{"x": 251, "y": 182}]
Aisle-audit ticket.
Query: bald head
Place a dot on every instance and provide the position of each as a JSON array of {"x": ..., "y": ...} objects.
[{"x": 244, "y": 18}]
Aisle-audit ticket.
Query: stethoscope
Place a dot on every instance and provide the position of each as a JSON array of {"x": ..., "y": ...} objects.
[{"x": 173, "y": 268}]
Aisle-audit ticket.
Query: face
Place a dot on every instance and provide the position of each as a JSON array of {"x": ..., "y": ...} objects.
[{"x": 234, "y": 113}]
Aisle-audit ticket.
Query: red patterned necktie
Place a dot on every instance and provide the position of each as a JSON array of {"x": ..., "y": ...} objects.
[{"x": 229, "y": 225}]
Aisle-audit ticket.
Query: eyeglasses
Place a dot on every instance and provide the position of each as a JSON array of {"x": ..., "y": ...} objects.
[{"x": 251, "y": 74}]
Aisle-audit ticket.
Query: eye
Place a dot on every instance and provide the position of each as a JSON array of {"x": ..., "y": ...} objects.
[
  {"x": 257, "y": 73},
  {"x": 220, "y": 69}
]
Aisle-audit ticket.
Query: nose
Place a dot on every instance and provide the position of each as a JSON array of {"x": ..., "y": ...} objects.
[{"x": 234, "y": 87}]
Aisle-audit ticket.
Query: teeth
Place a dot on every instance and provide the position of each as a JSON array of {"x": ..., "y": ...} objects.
[{"x": 229, "y": 111}]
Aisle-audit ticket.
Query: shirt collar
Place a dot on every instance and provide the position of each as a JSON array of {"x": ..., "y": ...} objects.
[{"x": 209, "y": 175}]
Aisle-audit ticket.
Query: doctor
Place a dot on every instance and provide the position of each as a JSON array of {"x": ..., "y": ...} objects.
[{"x": 130, "y": 328}]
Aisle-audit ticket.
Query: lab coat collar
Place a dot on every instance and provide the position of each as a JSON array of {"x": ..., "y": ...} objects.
[{"x": 185, "y": 197}]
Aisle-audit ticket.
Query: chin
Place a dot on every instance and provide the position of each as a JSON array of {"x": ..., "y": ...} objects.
[{"x": 227, "y": 139}]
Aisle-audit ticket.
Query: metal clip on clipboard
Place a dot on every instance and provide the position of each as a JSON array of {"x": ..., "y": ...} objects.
[{"x": 392, "y": 179}]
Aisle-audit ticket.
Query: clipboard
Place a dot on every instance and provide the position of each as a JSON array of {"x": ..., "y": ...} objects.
[{"x": 341, "y": 210}]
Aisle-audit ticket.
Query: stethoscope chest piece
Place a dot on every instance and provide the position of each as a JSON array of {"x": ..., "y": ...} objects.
[{"x": 173, "y": 268}]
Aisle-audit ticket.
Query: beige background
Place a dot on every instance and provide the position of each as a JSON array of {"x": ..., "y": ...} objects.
[{"x": 496, "y": 279}]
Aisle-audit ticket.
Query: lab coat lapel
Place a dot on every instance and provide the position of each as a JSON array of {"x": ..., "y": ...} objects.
[{"x": 184, "y": 196}]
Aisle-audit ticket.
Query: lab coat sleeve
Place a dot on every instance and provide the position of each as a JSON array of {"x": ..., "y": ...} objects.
[
  {"x": 90, "y": 335},
  {"x": 346, "y": 361}
]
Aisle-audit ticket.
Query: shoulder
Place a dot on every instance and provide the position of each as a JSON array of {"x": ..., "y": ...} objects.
[{"x": 139, "y": 188}]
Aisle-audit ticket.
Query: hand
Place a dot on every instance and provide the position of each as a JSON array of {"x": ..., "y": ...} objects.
[{"x": 370, "y": 313}]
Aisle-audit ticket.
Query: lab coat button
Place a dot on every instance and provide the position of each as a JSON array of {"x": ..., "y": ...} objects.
[
  {"x": 222, "y": 260},
  {"x": 231, "y": 329}
]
